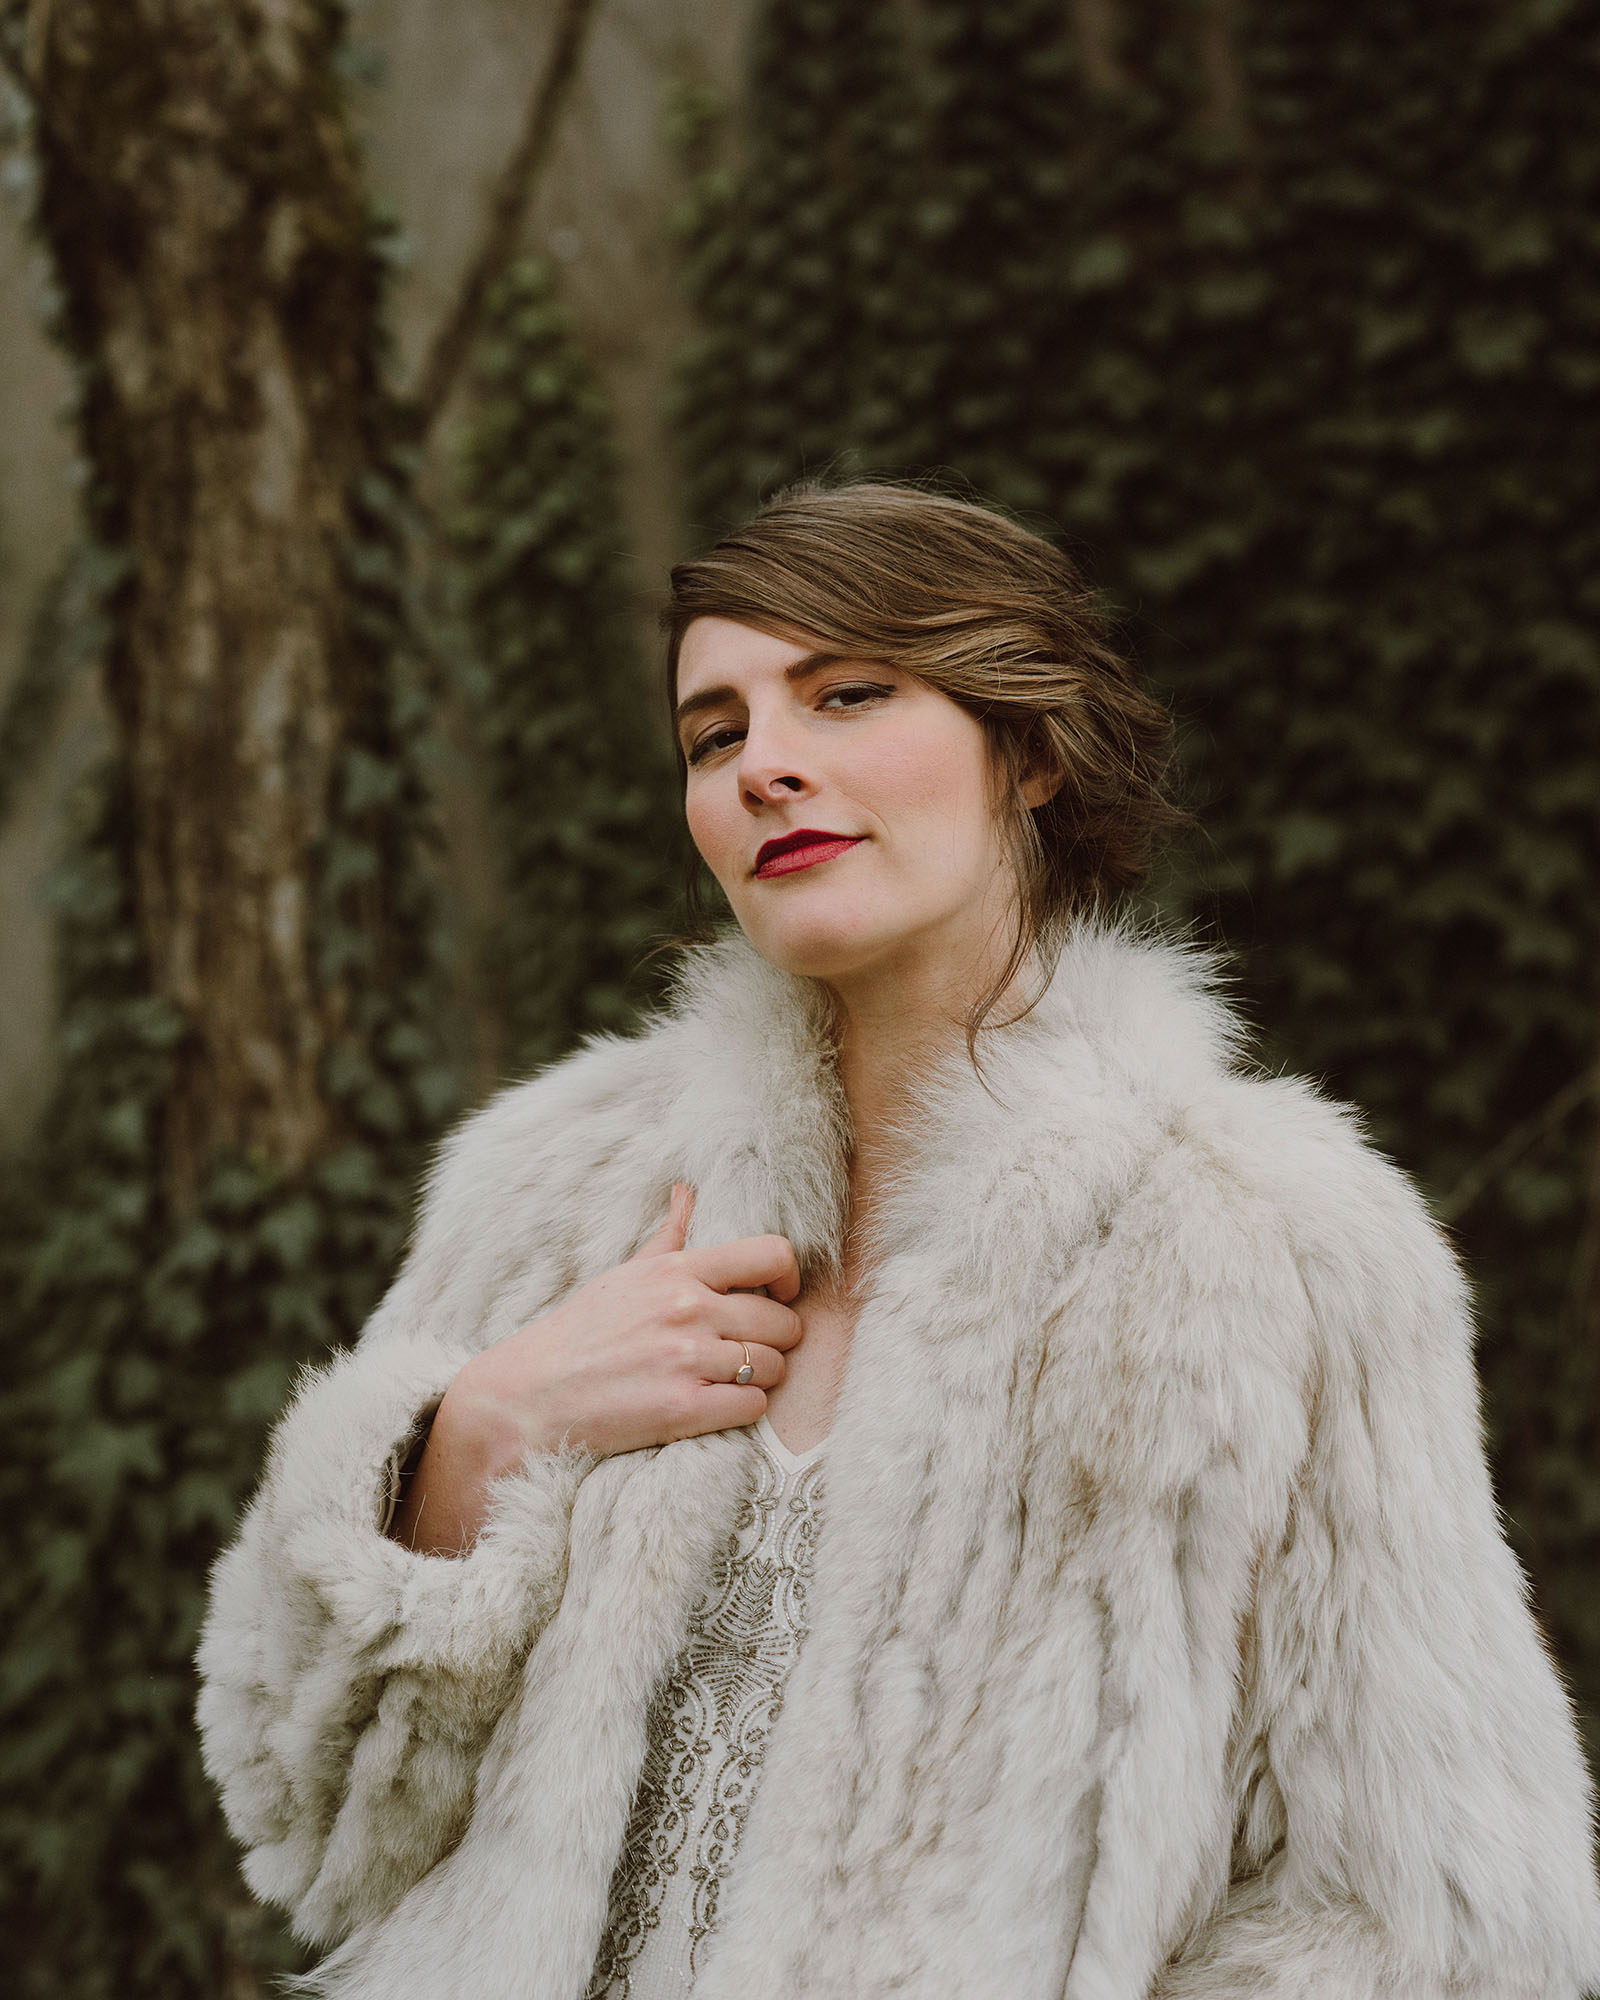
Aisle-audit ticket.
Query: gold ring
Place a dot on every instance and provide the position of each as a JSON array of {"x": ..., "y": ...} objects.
[{"x": 747, "y": 1371}]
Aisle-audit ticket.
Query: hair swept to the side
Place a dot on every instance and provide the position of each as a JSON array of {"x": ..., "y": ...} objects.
[{"x": 995, "y": 617}]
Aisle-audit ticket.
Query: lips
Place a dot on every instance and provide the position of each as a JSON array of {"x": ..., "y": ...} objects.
[{"x": 804, "y": 848}]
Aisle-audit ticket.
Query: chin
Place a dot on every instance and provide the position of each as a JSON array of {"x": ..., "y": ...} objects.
[{"x": 821, "y": 944}]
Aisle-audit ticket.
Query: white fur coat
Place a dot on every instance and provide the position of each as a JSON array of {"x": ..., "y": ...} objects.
[{"x": 1164, "y": 1644}]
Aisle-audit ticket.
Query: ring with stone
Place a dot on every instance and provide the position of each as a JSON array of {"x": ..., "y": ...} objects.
[{"x": 747, "y": 1372}]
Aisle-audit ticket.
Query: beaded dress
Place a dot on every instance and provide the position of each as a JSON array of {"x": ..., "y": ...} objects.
[{"x": 708, "y": 1734}]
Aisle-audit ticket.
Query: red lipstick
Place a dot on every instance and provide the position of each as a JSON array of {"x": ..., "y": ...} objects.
[{"x": 803, "y": 848}]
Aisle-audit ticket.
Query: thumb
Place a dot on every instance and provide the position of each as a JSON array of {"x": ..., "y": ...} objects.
[{"x": 674, "y": 1232}]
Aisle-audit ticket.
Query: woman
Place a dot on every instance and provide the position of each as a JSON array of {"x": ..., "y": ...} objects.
[{"x": 1018, "y": 1527}]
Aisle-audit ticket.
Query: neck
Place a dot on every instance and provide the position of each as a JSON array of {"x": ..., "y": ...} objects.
[{"x": 895, "y": 1026}]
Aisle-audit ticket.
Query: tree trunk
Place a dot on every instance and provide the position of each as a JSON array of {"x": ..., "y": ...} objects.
[{"x": 202, "y": 199}]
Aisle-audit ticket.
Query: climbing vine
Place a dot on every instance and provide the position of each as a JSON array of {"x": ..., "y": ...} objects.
[
  {"x": 147, "y": 1351},
  {"x": 1285, "y": 321},
  {"x": 544, "y": 640}
]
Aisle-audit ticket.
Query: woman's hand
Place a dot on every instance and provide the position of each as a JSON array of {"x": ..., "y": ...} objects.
[{"x": 642, "y": 1355}]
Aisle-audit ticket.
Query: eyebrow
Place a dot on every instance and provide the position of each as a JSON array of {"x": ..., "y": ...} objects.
[{"x": 717, "y": 697}]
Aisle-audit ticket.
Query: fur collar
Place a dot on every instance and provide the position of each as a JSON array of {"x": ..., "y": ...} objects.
[{"x": 762, "y": 1125}]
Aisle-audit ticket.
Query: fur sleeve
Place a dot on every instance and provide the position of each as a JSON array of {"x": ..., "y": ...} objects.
[
  {"x": 1412, "y": 1811},
  {"x": 348, "y": 1686}
]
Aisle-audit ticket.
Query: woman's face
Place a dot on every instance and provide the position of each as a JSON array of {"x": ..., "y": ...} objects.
[{"x": 845, "y": 808}]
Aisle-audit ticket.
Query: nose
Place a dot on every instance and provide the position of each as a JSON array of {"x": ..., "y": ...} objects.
[{"x": 770, "y": 771}]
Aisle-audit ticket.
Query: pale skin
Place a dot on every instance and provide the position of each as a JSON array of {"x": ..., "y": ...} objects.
[{"x": 905, "y": 926}]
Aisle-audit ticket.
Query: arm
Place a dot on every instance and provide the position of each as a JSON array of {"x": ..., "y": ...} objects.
[
  {"x": 351, "y": 1677},
  {"x": 348, "y": 1685},
  {"x": 1412, "y": 1810}
]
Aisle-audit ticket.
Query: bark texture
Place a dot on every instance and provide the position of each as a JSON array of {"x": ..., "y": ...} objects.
[{"x": 204, "y": 207}]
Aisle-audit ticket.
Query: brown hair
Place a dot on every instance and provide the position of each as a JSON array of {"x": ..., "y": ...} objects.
[{"x": 998, "y": 619}]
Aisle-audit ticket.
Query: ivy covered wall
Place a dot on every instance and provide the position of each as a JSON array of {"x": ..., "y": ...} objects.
[
  {"x": 146, "y": 1350},
  {"x": 1287, "y": 320},
  {"x": 149, "y": 1337},
  {"x": 539, "y": 632}
]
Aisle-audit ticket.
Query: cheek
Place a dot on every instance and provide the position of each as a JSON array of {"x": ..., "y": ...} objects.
[
  {"x": 934, "y": 780},
  {"x": 713, "y": 823}
]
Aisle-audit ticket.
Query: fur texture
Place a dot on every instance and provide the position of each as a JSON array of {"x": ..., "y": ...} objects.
[{"x": 1164, "y": 1642}]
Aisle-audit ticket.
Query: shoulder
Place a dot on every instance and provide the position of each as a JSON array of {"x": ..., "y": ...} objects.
[
  {"x": 1275, "y": 1148},
  {"x": 1246, "y": 1280},
  {"x": 590, "y": 1105},
  {"x": 1311, "y": 1157},
  {"x": 553, "y": 1180},
  {"x": 733, "y": 1046},
  {"x": 1361, "y": 1235},
  {"x": 1350, "y": 1280},
  {"x": 1263, "y": 1183}
]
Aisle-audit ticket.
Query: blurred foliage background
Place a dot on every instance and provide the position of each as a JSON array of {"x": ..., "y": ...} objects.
[{"x": 1285, "y": 320}]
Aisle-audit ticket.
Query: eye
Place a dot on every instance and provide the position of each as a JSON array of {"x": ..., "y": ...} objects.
[
  {"x": 712, "y": 741},
  {"x": 855, "y": 694}
]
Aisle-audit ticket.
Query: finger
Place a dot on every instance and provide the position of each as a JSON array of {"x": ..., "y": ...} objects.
[
  {"x": 744, "y": 1316},
  {"x": 767, "y": 1365},
  {"x": 721, "y": 1406},
  {"x": 717, "y": 1363},
  {"x": 747, "y": 1262},
  {"x": 675, "y": 1230}
]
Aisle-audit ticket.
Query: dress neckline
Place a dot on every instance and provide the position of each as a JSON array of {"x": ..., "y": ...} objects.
[{"x": 791, "y": 1461}]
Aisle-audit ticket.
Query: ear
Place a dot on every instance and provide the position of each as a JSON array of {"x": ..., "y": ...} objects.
[{"x": 1040, "y": 783}]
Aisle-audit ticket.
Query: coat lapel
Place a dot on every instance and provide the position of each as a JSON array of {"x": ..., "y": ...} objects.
[{"x": 758, "y": 1122}]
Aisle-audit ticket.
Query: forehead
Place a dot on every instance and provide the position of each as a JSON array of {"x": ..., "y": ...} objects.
[{"x": 719, "y": 650}]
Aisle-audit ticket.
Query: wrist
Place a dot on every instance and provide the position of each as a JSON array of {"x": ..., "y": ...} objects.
[{"x": 486, "y": 1427}]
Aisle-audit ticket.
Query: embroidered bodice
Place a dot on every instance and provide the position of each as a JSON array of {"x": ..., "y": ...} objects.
[{"x": 708, "y": 1733}]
